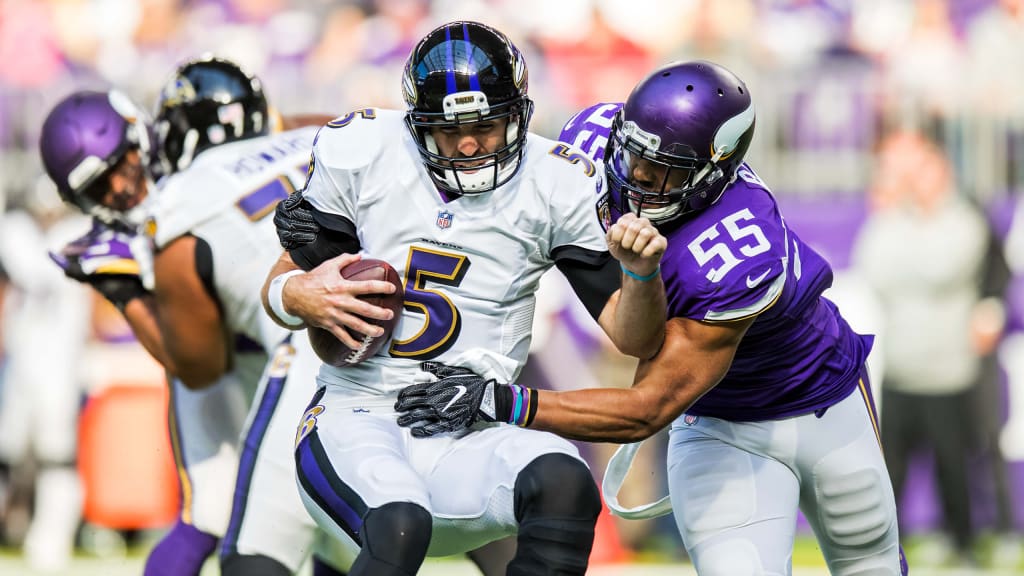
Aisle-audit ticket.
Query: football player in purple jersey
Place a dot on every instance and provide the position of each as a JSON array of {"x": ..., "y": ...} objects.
[{"x": 760, "y": 378}]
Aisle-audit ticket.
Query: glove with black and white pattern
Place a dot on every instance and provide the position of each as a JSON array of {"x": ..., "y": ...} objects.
[{"x": 295, "y": 224}]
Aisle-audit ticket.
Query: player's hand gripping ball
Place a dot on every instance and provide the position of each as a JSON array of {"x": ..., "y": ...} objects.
[{"x": 333, "y": 351}]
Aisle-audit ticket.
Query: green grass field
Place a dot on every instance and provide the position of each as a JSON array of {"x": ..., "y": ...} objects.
[{"x": 806, "y": 561}]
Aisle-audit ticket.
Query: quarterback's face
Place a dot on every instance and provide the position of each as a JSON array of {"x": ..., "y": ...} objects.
[
  {"x": 469, "y": 140},
  {"x": 123, "y": 187}
]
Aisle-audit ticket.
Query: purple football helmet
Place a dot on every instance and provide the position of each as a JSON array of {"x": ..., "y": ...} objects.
[
  {"x": 85, "y": 136},
  {"x": 678, "y": 141}
]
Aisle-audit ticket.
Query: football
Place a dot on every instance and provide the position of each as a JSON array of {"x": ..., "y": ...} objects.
[{"x": 334, "y": 351}]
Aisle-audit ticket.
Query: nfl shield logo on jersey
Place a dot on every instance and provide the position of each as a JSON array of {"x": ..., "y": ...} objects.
[
  {"x": 444, "y": 219},
  {"x": 690, "y": 419}
]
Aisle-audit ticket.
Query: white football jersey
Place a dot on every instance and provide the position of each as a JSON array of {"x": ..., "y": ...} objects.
[
  {"x": 471, "y": 265},
  {"x": 227, "y": 198}
]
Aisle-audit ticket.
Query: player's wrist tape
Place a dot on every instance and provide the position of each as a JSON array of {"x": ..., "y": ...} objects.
[
  {"x": 515, "y": 404},
  {"x": 274, "y": 296},
  {"x": 636, "y": 276}
]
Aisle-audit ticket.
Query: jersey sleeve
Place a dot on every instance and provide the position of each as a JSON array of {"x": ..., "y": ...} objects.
[
  {"x": 330, "y": 186},
  {"x": 187, "y": 199},
  {"x": 573, "y": 206}
]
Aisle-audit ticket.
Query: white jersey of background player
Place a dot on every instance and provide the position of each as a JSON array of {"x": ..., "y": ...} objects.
[
  {"x": 472, "y": 239},
  {"x": 224, "y": 199},
  {"x": 211, "y": 228}
]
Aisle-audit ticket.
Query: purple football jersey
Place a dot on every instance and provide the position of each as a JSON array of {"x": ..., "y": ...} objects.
[
  {"x": 588, "y": 130},
  {"x": 738, "y": 259}
]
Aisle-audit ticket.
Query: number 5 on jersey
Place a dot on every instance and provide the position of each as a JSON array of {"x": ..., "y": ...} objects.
[{"x": 442, "y": 319}]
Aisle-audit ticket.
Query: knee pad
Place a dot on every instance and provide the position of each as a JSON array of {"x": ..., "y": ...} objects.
[
  {"x": 395, "y": 538},
  {"x": 556, "y": 485},
  {"x": 252, "y": 565},
  {"x": 556, "y": 504},
  {"x": 856, "y": 509}
]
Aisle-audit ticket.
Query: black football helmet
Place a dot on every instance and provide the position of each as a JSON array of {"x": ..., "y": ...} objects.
[
  {"x": 461, "y": 73},
  {"x": 207, "y": 102}
]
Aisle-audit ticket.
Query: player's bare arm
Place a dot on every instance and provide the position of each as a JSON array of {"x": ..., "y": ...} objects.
[
  {"x": 190, "y": 321},
  {"x": 695, "y": 357},
  {"x": 634, "y": 317},
  {"x": 140, "y": 313},
  {"x": 323, "y": 298}
]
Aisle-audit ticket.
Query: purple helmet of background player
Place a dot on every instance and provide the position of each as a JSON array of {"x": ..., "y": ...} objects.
[
  {"x": 83, "y": 138},
  {"x": 678, "y": 141}
]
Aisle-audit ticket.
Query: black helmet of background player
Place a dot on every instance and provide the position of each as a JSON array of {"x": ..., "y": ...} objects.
[
  {"x": 207, "y": 102},
  {"x": 461, "y": 73}
]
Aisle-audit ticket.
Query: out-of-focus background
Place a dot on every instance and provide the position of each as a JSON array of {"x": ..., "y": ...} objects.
[{"x": 892, "y": 132}]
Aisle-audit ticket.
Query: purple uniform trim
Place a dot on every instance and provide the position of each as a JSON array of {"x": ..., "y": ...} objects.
[
  {"x": 178, "y": 450},
  {"x": 181, "y": 552},
  {"x": 321, "y": 483},
  {"x": 262, "y": 201},
  {"x": 268, "y": 402},
  {"x": 738, "y": 259}
]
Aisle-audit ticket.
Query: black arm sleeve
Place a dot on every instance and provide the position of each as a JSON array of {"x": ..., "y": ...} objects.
[
  {"x": 594, "y": 276},
  {"x": 337, "y": 236},
  {"x": 204, "y": 268}
]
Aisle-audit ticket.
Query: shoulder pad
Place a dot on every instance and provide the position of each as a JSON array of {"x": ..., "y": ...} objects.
[{"x": 355, "y": 139}]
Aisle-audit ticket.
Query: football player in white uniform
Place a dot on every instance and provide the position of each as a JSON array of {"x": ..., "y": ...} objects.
[
  {"x": 224, "y": 175},
  {"x": 761, "y": 380},
  {"x": 471, "y": 209}
]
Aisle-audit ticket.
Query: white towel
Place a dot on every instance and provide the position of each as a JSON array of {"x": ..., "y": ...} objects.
[{"x": 615, "y": 475}]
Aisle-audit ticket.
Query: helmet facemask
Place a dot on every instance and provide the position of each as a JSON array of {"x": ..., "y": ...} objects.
[
  {"x": 685, "y": 181},
  {"x": 682, "y": 182},
  {"x": 124, "y": 214},
  {"x": 473, "y": 174}
]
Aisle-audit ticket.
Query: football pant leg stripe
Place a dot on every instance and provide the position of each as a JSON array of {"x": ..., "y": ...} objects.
[
  {"x": 178, "y": 450},
  {"x": 864, "y": 385},
  {"x": 251, "y": 444},
  {"x": 322, "y": 484}
]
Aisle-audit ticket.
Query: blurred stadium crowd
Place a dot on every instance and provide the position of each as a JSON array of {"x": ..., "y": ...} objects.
[{"x": 831, "y": 79}]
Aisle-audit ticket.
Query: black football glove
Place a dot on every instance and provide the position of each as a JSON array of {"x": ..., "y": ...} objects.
[
  {"x": 458, "y": 399},
  {"x": 295, "y": 224}
]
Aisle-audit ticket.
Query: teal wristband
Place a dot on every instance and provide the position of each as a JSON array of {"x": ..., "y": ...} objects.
[{"x": 636, "y": 276}]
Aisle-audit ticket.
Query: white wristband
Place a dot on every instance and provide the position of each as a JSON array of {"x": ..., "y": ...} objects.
[{"x": 274, "y": 296}]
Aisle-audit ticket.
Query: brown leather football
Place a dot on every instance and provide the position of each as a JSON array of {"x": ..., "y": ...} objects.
[{"x": 333, "y": 351}]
